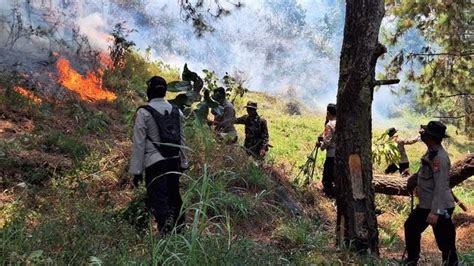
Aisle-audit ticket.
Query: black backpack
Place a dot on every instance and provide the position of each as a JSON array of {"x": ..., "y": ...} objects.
[{"x": 169, "y": 128}]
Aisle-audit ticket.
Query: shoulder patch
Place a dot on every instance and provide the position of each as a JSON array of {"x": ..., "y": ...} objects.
[{"x": 435, "y": 164}]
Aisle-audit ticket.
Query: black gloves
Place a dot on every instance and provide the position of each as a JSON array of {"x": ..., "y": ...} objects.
[{"x": 137, "y": 179}]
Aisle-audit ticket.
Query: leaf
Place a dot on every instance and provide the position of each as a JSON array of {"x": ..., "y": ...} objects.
[
  {"x": 35, "y": 255},
  {"x": 179, "y": 86},
  {"x": 94, "y": 261}
]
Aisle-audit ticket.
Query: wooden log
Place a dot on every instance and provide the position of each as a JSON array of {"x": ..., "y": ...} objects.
[{"x": 395, "y": 185}]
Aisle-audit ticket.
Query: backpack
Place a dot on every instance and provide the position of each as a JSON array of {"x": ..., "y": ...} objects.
[{"x": 169, "y": 128}]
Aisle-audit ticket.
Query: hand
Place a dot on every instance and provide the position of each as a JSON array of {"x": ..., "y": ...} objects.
[
  {"x": 318, "y": 144},
  {"x": 320, "y": 138},
  {"x": 137, "y": 179},
  {"x": 432, "y": 218},
  {"x": 183, "y": 169},
  {"x": 263, "y": 151}
]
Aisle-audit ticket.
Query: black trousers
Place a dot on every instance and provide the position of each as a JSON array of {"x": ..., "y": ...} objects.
[
  {"x": 163, "y": 197},
  {"x": 328, "y": 177},
  {"x": 444, "y": 231},
  {"x": 392, "y": 168}
]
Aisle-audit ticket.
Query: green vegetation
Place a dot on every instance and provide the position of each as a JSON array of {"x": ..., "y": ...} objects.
[{"x": 68, "y": 201}]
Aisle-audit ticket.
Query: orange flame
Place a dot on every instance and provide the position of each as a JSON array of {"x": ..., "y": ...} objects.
[
  {"x": 28, "y": 94},
  {"x": 89, "y": 87}
]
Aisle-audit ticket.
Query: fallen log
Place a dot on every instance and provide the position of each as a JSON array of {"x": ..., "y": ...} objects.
[{"x": 395, "y": 185}]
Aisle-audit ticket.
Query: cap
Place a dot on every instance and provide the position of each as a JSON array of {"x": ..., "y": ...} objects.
[
  {"x": 391, "y": 131},
  {"x": 332, "y": 108},
  {"x": 156, "y": 81}
]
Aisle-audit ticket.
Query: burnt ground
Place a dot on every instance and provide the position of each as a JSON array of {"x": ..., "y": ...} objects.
[{"x": 116, "y": 191}]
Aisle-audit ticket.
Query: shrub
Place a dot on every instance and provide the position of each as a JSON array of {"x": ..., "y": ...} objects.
[
  {"x": 293, "y": 108},
  {"x": 68, "y": 145}
]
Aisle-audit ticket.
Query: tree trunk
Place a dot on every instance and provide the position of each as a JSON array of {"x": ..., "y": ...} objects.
[
  {"x": 394, "y": 185},
  {"x": 356, "y": 222}
]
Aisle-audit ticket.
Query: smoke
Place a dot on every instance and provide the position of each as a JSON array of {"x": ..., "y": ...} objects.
[
  {"x": 94, "y": 27},
  {"x": 276, "y": 44}
]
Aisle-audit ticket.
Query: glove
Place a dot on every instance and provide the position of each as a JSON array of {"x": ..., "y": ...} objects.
[
  {"x": 183, "y": 166},
  {"x": 137, "y": 179}
]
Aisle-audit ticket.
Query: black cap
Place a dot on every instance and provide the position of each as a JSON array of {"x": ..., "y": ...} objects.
[
  {"x": 435, "y": 129},
  {"x": 156, "y": 81},
  {"x": 332, "y": 109},
  {"x": 391, "y": 131}
]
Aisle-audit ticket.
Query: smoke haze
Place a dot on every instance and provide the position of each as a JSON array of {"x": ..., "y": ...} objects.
[{"x": 276, "y": 44}]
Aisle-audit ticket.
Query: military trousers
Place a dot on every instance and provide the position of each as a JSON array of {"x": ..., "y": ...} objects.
[
  {"x": 444, "y": 231},
  {"x": 163, "y": 196},
  {"x": 328, "y": 181}
]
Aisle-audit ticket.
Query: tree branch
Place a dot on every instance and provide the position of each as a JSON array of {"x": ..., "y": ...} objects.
[
  {"x": 450, "y": 117},
  {"x": 393, "y": 185},
  {"x": 385, "y": 82},
  {"x": 457, "y": 94},
  {"x": 380, "y": 50},
  {"x": 443, "y": 54}
]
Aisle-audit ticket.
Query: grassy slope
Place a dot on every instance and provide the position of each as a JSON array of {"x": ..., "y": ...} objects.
[{"x": 82, "y": 211}]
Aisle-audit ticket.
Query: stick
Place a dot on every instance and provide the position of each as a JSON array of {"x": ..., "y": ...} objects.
[
  {"x": 314, "y": 163},
  {"x": 460, "y": 203}
]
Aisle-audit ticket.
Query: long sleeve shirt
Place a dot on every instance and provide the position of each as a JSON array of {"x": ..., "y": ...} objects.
[
  {"x": 433, "y": 181},
  {"x": 144, "y": 153},
  {"x": 401, "y": 146},
  {"x": 225, "y": 121},
  {"x": 256, "y": 131},
  {"x": 328, "y": 143}
]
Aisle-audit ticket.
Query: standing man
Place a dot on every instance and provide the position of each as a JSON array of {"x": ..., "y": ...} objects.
[
  {"x": 157, "y": 124},
  {"x": 404, "y": 165},
  {"x": 326, "y": 142},
  {"x": 224, "y": 121},
  {"x": 436, "y": 202},
  {"x": 256, "y": 132}
]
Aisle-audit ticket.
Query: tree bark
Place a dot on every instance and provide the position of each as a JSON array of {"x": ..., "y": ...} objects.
[
  {"x": 394, "y": 185},
  {"x": 356, "y": 220}
]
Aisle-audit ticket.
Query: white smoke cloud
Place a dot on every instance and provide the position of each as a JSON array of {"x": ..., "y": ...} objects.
[
  {"x": 278, "y": 44},
  {"x": 95, "y": 28}
]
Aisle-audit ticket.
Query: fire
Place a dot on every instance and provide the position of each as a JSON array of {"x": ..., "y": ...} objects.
[
  {"x": 105, "y": 59},
  {"x": 89, "y": 87},
  {"x": 28, "y": 94}
]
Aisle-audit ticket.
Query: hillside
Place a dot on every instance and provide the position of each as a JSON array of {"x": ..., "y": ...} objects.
[{"x": 66, "y": 196}]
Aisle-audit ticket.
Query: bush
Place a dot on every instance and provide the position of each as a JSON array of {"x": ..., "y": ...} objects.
[
  {"x": 68, "y": 145},
  {"x": 293, "y": 108}
]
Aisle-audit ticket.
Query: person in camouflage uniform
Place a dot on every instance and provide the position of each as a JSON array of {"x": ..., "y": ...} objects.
[
  {"x": 256, "y": 131},
  {"x": 404, "y": 164}
]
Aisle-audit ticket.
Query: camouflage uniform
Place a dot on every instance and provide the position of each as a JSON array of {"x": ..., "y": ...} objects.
[
  {"x": 404, "y": 164},
  {"x": 256, "y": 133}
]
